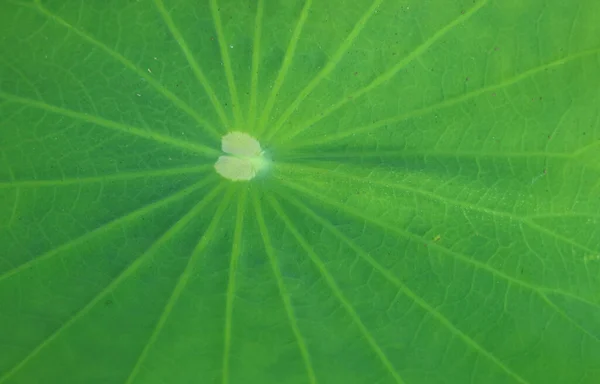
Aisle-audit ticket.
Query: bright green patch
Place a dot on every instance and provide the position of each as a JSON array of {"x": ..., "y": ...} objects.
[{"x": 297, "y": 191}]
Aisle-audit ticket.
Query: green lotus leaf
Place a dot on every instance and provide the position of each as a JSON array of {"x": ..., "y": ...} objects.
[{"x": 297, "y": 191}]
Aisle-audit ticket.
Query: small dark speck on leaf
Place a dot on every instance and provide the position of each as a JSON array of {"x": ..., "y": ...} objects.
[{"x": 108, "y": 302}]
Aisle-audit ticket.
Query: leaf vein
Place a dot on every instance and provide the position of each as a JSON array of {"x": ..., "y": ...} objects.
[
  {"x": 285, "y": 66},
  {"x": 255, "y": 64},
  {"x": 226, "y": 62},
  {"x": 127, "y": 63},
  {"x": 127, "y": 272},
  {"x": 140, "y": 212},
  {"x": 120, "y": 176},
  {"x": 330, "y": 66},
  {"x": 283, "y": 293},
  {"x": 407, "y": 291},
  {"x": 479, "y": 265},
  {"x": 182, "y": 144},
  {"x": 336, "y": 290},
  {"x": 183, "y": 278},
  {"x": 422, "y": 111},
  {"x": 230, "y": 296},
  {"x": 381, "y": 79}
]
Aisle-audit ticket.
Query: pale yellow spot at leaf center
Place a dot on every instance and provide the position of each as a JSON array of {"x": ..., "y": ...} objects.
[{"x": 244, "y": 157}]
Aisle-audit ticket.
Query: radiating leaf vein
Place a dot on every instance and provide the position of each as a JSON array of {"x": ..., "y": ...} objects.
[
  {"x": 285, "y": 66},
  {"x": 157, "y": 137},
  {"x": 330, "y": 66},
  {"x": 381, "y": 79},
  {"x": 127, "y": 63},
  {"x": 119, "y": 176},
  {"x": 140, "y": 212},
  {"x": 335, "y": 289},
  {"x": 539, "y": 290},
  {"x": 425, "y": 154},
  {"x": 252, "y": 110},
  {"x": 127, "y": 272},
  {"x": 235, "y": 101},
  {"x": 402, "y": 287},
  {"x": 236, "y": 248},
  {"x": 443, "y": 199},
  {"x": 286, "y": 141},
  {"x": 207, "y": 236},
  {"x": 283, "y": 293},
  {"x": 192, "y": 62}
]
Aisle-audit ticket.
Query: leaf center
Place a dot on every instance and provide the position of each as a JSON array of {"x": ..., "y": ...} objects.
[{"x": 244, "y": 157}]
